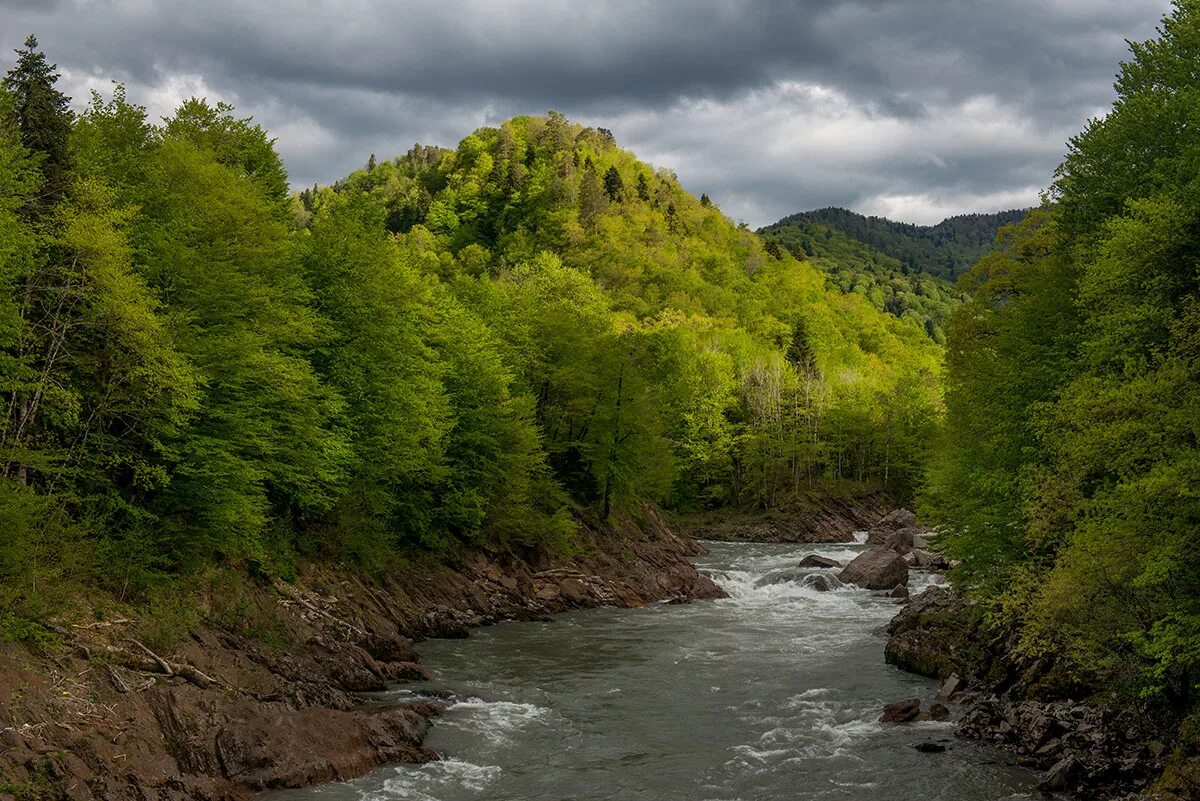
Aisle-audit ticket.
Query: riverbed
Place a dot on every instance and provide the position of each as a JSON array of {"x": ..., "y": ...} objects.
[{"x": 772, "y": 693}]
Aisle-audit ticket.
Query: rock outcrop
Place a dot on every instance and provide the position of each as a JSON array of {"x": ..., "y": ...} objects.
[{"x": 1019, "y": 705}]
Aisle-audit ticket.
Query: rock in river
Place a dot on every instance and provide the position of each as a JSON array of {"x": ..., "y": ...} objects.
[
  {"x": 814, "y": 560},
  {"x": 876, "y": 569},
  {"x": 902, "y": 711},
  {"x": 821, "y": 582}
]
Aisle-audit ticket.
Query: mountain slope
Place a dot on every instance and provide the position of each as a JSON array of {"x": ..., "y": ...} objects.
[
  {"x": 889, "y": 284},
  {"x": 946, "y": 250}
]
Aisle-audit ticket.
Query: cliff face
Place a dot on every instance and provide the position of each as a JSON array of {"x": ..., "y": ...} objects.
[{"x": 262, "y": 694}]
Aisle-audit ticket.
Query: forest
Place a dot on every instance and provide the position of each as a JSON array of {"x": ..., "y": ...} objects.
[
  {"x": 450, "y": 350},
  {"x": 474, "y": 348},
  {"x": 946, "y": 250},
  {"x": 1068, "y": 467},
  {"x": 915, "y": 294}
]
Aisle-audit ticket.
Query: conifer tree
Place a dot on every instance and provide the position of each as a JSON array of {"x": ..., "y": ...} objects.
[
  {"x": 42, "y": 115},
  {"x": 614, "y": 187}
]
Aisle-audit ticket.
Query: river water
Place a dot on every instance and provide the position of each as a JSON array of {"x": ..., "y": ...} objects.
[{"x": 773, "y": 693}]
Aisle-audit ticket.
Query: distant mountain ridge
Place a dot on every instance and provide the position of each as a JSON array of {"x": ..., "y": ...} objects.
[{"x": 946, "y": 250}]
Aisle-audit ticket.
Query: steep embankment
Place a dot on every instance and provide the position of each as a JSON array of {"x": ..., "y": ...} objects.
[
  {"x": 827, "y": 520},
  {"x": 262, "y": 694}
]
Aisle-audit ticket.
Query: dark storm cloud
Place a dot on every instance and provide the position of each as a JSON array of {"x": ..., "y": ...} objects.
[{"x": 910, "y": 107}]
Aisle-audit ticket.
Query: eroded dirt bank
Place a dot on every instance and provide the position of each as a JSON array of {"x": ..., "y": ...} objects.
[
  {"x": 817, "y": 520},
  {"x": 262, "y": 694}
]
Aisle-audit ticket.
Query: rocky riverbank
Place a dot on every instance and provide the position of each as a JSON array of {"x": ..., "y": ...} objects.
[
  {"x": 1080, "y": 743},
  {"x": 264, "y": 691},
  {"x": 1020, "y": 705}
]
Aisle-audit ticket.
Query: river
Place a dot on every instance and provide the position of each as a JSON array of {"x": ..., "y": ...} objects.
[{"x": 773, "y": 693}]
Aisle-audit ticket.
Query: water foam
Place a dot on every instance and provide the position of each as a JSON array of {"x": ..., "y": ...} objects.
[
  {"x": 497, "y": 720},
  {"x": 429, "y": 782}
]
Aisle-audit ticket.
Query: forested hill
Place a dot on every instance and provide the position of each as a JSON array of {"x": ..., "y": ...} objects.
[
  {"x": 889, "y": 284},
  {"x": 451, "y": 350},
  {"x": 946, "y": 250}
]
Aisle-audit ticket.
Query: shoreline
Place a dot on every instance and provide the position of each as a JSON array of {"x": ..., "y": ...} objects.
[{"x": 270, "y": 700}]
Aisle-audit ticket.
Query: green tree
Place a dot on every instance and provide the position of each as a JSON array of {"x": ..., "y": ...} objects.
[
  {"x": 614, "y": 186},
  {"x": 43, "y": 116}
]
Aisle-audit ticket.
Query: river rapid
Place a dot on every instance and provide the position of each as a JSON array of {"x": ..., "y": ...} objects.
[{"x": 772, "y": 693}]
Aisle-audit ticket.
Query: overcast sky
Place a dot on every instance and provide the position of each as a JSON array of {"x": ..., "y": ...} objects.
[{"x": 912, "y": 109}]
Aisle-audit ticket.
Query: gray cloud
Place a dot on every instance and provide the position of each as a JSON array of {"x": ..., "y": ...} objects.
[{"x": 910, "y": 107}]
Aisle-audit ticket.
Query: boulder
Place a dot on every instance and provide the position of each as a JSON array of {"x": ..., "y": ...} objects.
[
  {"x": 939, "y": 712},
  {"x": 899, "y": 591},
  {"x": 813, "y": 560},
  {"x": 821, "y": 582},
  {"x": 876, "y": 569},
  {"x": 900, "y": 540},
  {"x": 902, "y": 711},
  {"x": 900, "y": 518},
  {"x": 1061, "y": 775},
  {"x": 574, "y": 590},
  {"x": 928, "y": 560},
  {"x": 932, "y": 634}
]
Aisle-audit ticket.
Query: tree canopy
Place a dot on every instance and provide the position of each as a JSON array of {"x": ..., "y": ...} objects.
[
  {"x": 1068, "y": 469},
  {"x": 449, "y": 350}
]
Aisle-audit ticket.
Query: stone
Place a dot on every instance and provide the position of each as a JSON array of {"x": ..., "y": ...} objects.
[
  {"x": 1061, "y": 775},
  {"x": 899, "y": 591},
  {"x": 952, "y": 685},
  {"x": 928, "y": 560},
  {"x": 900, "y": 518},
  {"x": 814, "y": 560},
  {"x": 902, "y": 711},
  {"x": 574, "y": 590},
  {"x": 821, "y": 582},
  {"x": 939, "y": 712},
  {"x": 876, "y": 569},
  {"x": 900, "y": 541},
  {"x": 928, "y": 632},
  {"x": 930, "y": 748}
]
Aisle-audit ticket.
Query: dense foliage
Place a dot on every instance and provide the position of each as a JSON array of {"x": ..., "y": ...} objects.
[
  {"x": 1070, "y": 465},
  {"x": 946, "y": 250},
  {"x": 853, "y": 266},
  {"x": 449, "y": 350}
]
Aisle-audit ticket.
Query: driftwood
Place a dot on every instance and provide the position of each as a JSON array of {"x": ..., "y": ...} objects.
[
  {"x": 296, "y": 596},
  {"x": 102, "y": 624},
  {"x": 149, "y": 662}
]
